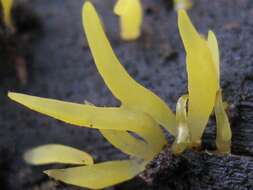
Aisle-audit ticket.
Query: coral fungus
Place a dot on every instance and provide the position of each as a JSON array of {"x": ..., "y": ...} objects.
[
  {"x": 141, "y": 111},
  {"x": 136, "y": 114},
  {"x": 131, "y": 16},
  {"x": 202, "y": 60}
]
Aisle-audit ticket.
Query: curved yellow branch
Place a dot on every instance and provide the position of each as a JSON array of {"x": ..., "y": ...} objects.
[
  {"x": 56, "y": 153},
  {"x": 202, "y": 77},
  {"x": 126, "y": 89},
  {"x": 99, "y": 176},
  {"x": 119, "y": 119}
]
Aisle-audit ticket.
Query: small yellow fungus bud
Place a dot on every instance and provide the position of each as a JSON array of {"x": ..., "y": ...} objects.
[
  {"x": 131, "y": 16},
  {"x": 183, "y": 135},
  {"x": 182, "y": 4},
  {"x": 7, "y": 7}
]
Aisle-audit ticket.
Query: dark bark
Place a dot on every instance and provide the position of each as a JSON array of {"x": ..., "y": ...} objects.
[
  {"x": 200, "y": 170},
  {"x": 243, "y": 123}
]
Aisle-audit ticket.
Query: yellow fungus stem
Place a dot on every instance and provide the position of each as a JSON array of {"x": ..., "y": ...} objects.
[
  {"x": 7, "y": 7},
  {"x": 131, "y": 16},
  {"x": 202, "y": 77},
  {"x": 183, "y": 136},
  {"x": 223, "y": 134},
  {"x": 55, "y": 153},
  {"x": 130, "y": 145},
  {"x": 214, "y": 48}
]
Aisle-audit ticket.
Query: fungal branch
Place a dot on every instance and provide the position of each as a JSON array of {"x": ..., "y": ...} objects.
[
  {"x": 141, "y": 111},
  {"x": 131, "y": 17},
  {"x": 203, "y": 69},
  {"x": 183, "y": 139},
  {"x": 7, "y": 7}
]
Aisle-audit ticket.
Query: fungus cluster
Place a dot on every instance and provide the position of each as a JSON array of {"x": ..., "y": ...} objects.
[{"x": 142, "y": 115}]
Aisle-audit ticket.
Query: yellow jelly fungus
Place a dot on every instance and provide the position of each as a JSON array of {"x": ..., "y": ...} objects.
[
  {"x": 131, "y": 16},
  {"x": 223, "y": 134},
  {"x": 203, "y": 68},
  {"x": 100, "y": 175},
  {"x": 183, "y": 139},
  {"x": 182, "y": 4},
  {"x": 138, "y": 114},
  {"x": 7, "y": 7},
  {"x": 55, "y": 153},
  {"x": 121, "y": 84},
  {"x": 202, "y": 77},
  {"x": 103, "y": 118}
]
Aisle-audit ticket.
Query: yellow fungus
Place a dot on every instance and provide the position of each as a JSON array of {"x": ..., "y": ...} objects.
[
  {"x": 183, "y": 139},
  {"x": 120, "y": 119},
  {"x": 214, "y": 48},
  {"x": 7, "y": 7},
  {"x": 128, "y": 144},
  {"x": 223, "y": 134},
  {"x": 55, "y": 153},
  {"x": 182, "y": 4},
  {"x": 202, "y": 77},
  {"x": 131, "y": 16},
  {"x": 203, "y": 68},
  {"x": 99, "y": 176},
  {"x": 140, "y": 115},
  {"x": 121, "y": 84},
  {"x": 122, "y": 6}
]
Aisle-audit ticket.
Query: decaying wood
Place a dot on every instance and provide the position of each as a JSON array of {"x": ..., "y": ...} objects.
[
  {"x": 200, "y": 170},
  {"x": 243, "y": 126}
]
